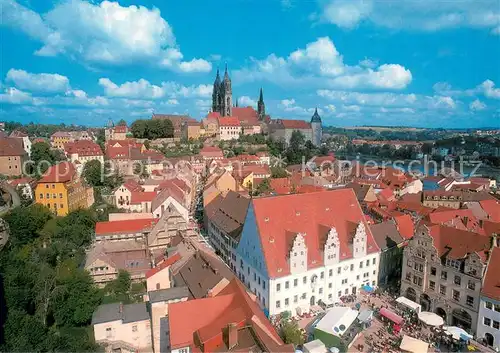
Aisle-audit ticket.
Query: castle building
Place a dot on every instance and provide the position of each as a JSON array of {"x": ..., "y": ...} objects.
[{"x": 317, "y": 130}]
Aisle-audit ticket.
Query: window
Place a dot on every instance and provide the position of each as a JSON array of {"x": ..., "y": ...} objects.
[
  {"x": 286, "y": 302},
  {"x": 41, "y": 196},
  {"x": 287, "y": 285},
  {"x": 321, "y": 291},
  {"x": 339, "y": 294},
  {"x": 453, "y": 263},
  {"x": 61, "y": 205},
  {"x": 432, "y": 285},
  {"x": 457, "y": 280},
  {"x": 53, "y": 186},
  {"x": 338, "y": 270},
  {"x": 263, "y": 284},
  {"x": 442, "y": 289},
  {"x": 497, "y": 307},
  {"x": 456, "y": 295},
  {"x": 278, "y": 304},
  {"x": 367, "y": 262},
  {"x": 303, "y": 295},
  {"x": 295, "y": 282},
  {"x": 488, "y": 305},
  {"x": 374, "y": 261},
  {"x": 278, "y": 287},
  {"x": 408, "y": 276},
  {"x": 295, "y": 298},
  {"x": 496, "y": 325},
  {"x": 357, "y": 277},
  {"x": 47, "y": 195},
  {"x": 444, "y": 275},
  {"x": 330, "y": 273},
  {"x": 330, "y": 285},
  {"x": 344, "y": 281},
  {"x": 346, "y": 291},
  {"x": 361, "y": 264},
  {"x": 471, "y": 285},
  {"x": 304, "y": 280},
  {"x": 469, "y": 301},
  {"x": 487, "y": 321},
  {"x": 157, "y": 286},
  {"x": 134, "y": 328},
  {"x": 330, "y": 296},
  {"x": 352, "y": 267}
]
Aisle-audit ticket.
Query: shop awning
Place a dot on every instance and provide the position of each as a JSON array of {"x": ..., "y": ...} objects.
[
  {"x": 410, "y": 344},
  {"x": 430, "y": 319},
  {"x": 409, "y": 304},
  {"x": 391, "y": 316}
]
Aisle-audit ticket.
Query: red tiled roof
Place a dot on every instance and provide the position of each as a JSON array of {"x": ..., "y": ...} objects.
[
  {"x": 213, "y": 115},
  {"x": 163, "y": 265},
  {"x": 59, "y": 173},
  {"x": 16, "y": 182},
  {"x": 18, "y": 133},
  {"x": 211, "y": 151},
  {"x": 247, "y": 114},
  {"x": 314, "y": 214},
  {"x": 492, "y": 208},
  {"x": 61, "y": 134},
  {"x": 405, "y": 226},
  {"x": 491, "y": 285},
  {"x": 83, "y": 148},
  {"x": 142, "y": 196},
  {"x": 455, "y": 243},
  {"x": 295, "y": 124},
  {"x": 126, "y": 226},
  {"x": 228, "y": 121},
  {"x": 132, "y": 185},
  {"x": 208, "y": 318},
  {"x": 11, "y": 146}
]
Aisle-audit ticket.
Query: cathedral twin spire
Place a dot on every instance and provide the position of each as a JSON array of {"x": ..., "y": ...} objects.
[{"x": 222, "y": 97}]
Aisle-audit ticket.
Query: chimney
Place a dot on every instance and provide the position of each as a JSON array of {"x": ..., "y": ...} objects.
[{"x": 232, "y": 336}]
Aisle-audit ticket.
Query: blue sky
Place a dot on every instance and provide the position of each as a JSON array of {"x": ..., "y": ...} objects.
[{"x": 361, "y": 62}]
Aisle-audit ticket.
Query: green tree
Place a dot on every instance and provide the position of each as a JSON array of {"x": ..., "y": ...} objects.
[
  {"x": 42, "y": 157},
  {"x": 291, "y": 332},
  {"x": 24, "y": 223},
  {"x": 278, "y": 172},
  {"x": 93, "y": 173},
  {"x": 263, "y": 187},
  {"x": 139, "y": 128}
]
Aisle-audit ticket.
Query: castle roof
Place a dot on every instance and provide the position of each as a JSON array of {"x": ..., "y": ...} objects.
[{"x": 316, "y": 118}]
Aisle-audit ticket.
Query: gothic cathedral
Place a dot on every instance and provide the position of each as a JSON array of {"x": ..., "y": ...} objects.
[{"x": 222, "y": 97}]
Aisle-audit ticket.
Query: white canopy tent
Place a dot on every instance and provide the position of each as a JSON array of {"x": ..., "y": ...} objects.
[
  {"x": 430, "y": 319},
  {"x": 409, "y": 304},
  {"x": 457, "y": 333},
  {"x": 413, "y": 345}
]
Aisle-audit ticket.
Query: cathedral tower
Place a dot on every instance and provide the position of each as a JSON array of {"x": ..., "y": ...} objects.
[
  {"x": 317, "y": 130},
  {"x": 261, "y": 107},
  {"x": 216, "y": 94},
  {"x": 227, "y": 95}
]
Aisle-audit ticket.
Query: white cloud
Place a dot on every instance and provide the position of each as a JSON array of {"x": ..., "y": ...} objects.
[
  {"x": 12, "y": 95},
  {"x": 477, "y": 105},
  {"x": 330, "y": 108},
  {"x": 143, "y": 89},
  {"x": 246, "y": 101},
  {"x": 370, "y": 63},
  {"x": 489, "y": 90},
  {"x": 289, "y": 106},
  {"x": 351, "y": 108},
  {"x": 172, "y": 102},
  {"x": 104, "y": 33},
  {"x": 346, "y": 13},
  {"x": 320, "y": 64},
  {"x": 486, "y": 88},
  {"x": 442, "y": 102},
  {"x": 368, "y": 99},
  {"x": 424, "y": 15},
  {"x": 38, "y": 82}
]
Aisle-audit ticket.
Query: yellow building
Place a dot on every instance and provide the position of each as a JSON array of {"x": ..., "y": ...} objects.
[
  {"x": 61, "y": 190},
  {"x": 59, "y": 138}
]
